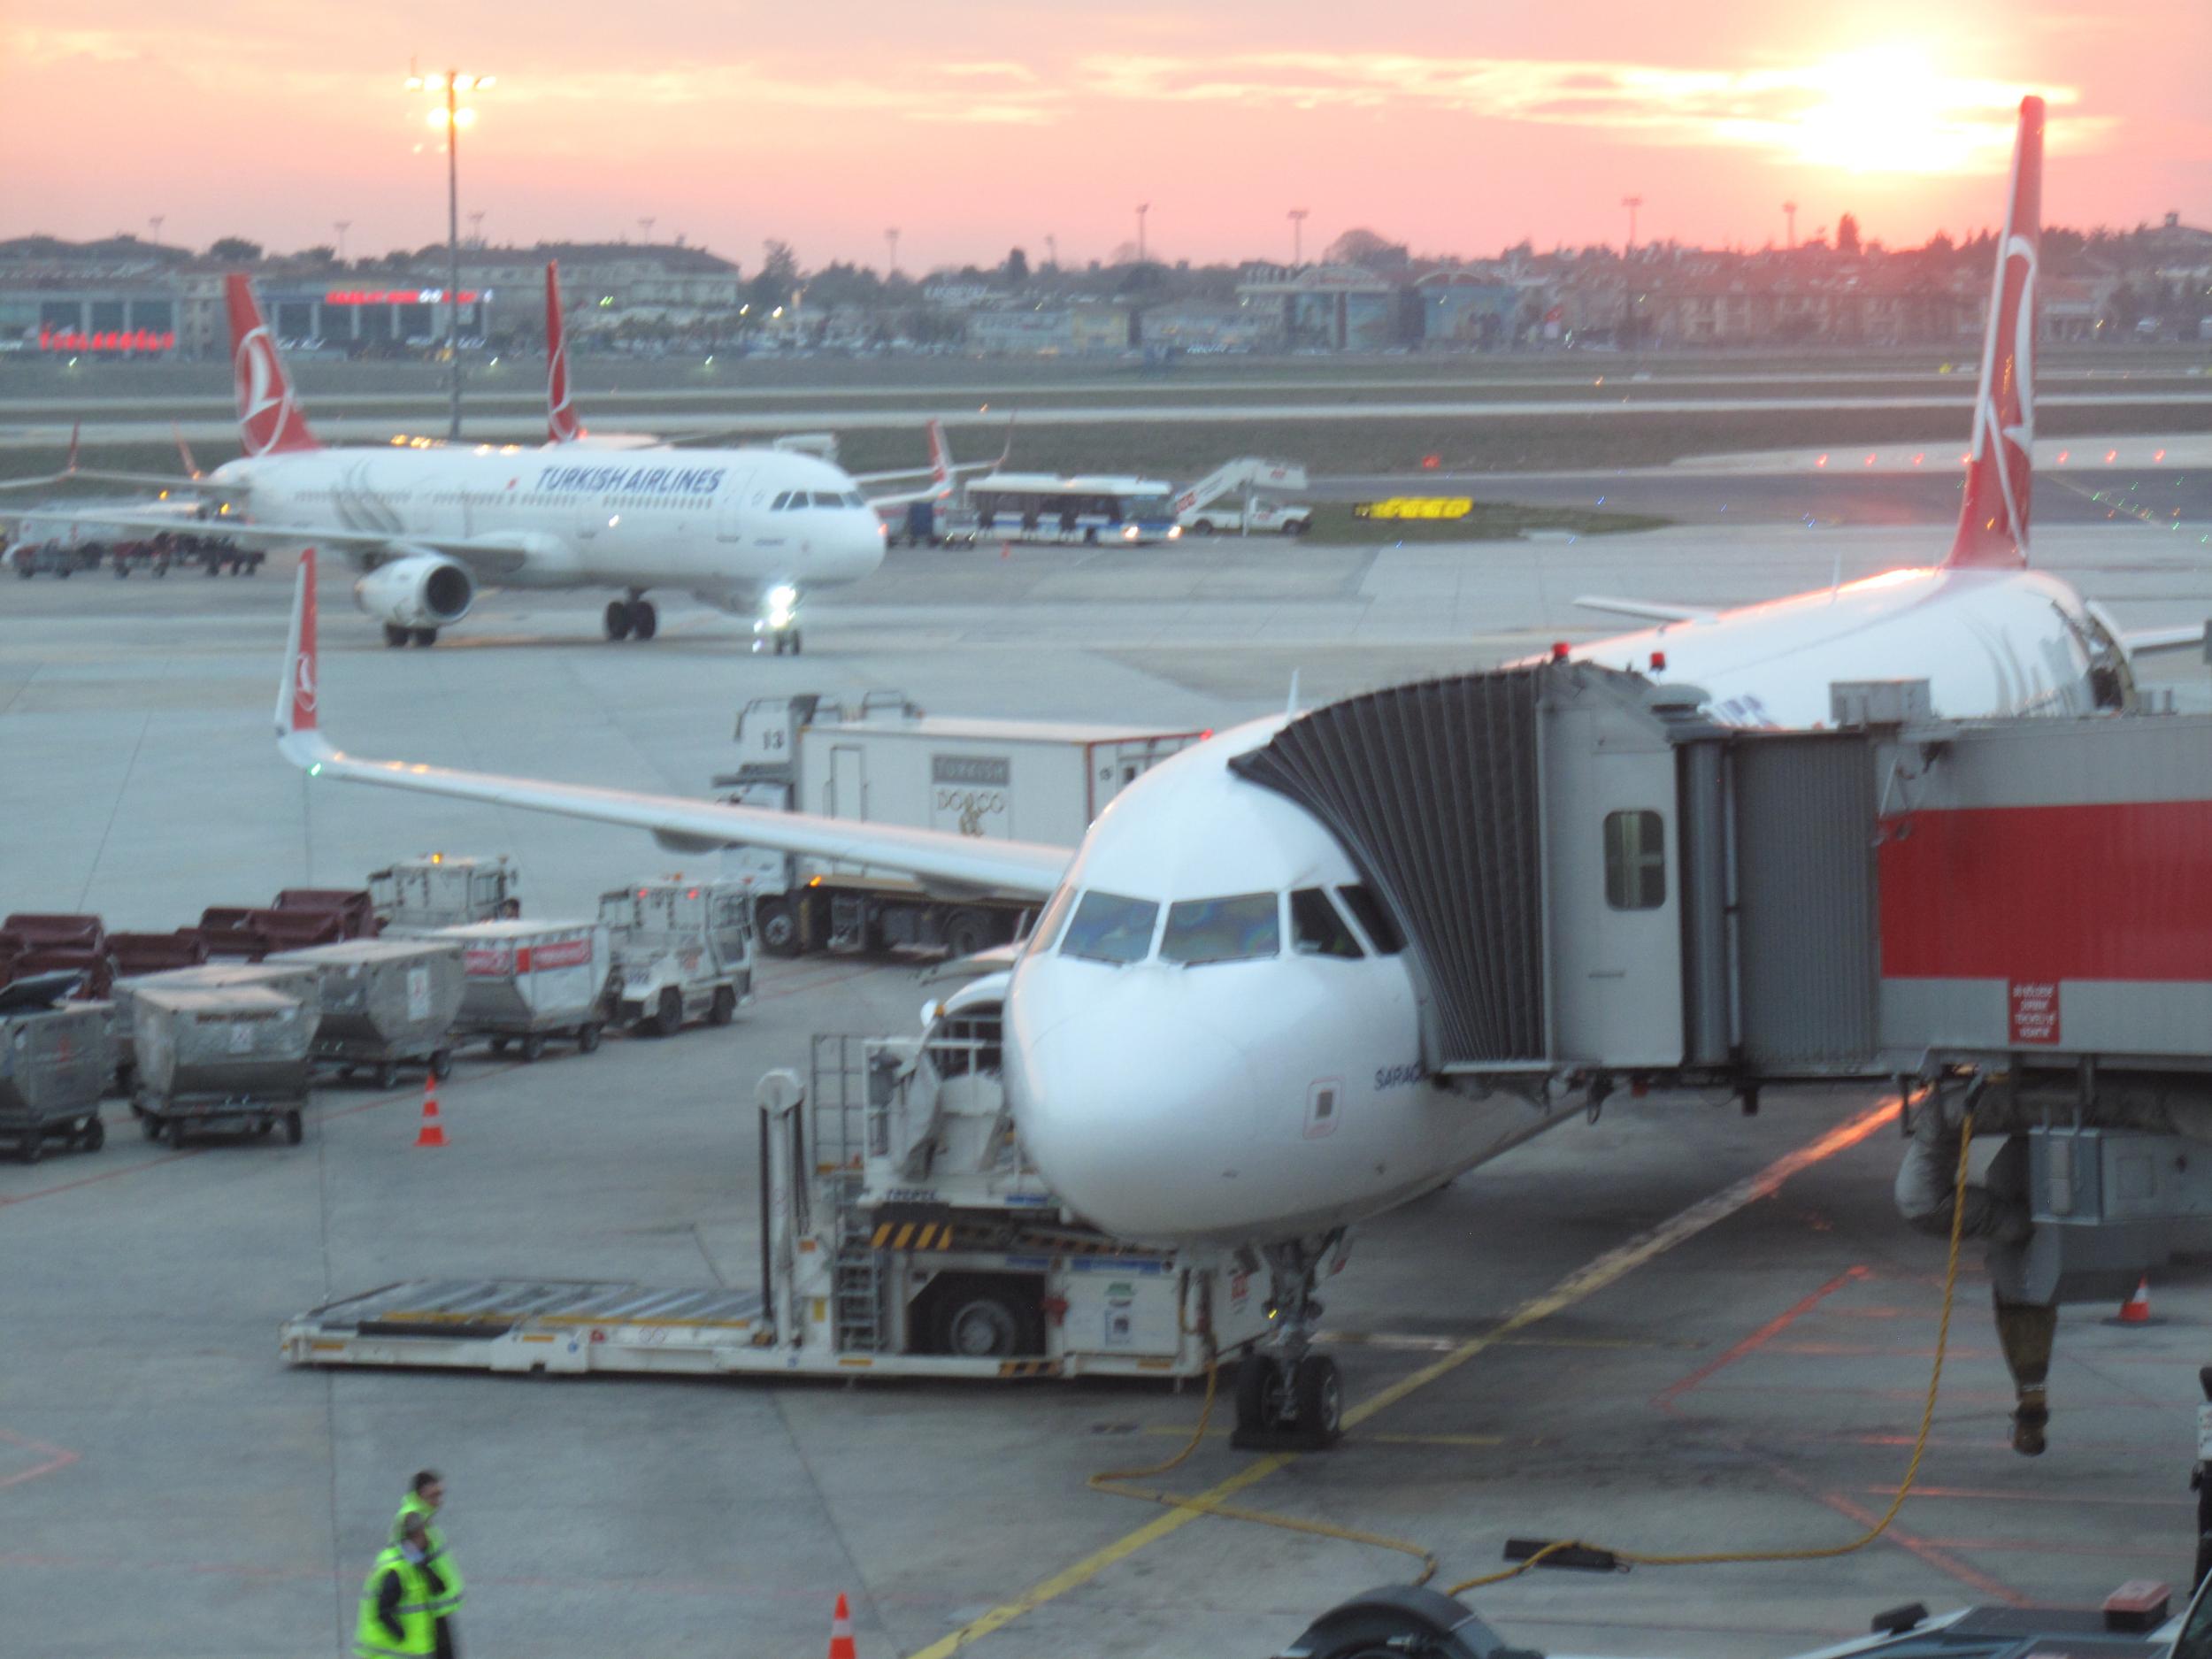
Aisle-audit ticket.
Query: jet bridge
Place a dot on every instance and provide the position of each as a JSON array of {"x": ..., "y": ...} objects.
[{"x": 1597, "y": 879}]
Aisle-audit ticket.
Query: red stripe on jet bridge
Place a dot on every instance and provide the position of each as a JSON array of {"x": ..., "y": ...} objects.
[{"x": 2113, "y": 891}]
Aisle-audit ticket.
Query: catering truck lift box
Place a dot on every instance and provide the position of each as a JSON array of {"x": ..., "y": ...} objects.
[
  {"x": 969, "y": 1268},
  {"x": 886, "y": 762}
]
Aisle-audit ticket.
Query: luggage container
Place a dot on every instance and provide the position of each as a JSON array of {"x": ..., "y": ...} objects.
[
  {"x": 526, "y": 981},
  {"x": 385, "y": 1003},
  {"x": 303, "y": 984},
  {"x": 233, "y": 1054},
  {"x": 54, "y": 1063}
]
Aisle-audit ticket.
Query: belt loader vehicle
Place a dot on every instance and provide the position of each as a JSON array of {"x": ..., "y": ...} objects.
[
  {"x": 902, "y": 1234},
  {"x": 886, "y": 762}
]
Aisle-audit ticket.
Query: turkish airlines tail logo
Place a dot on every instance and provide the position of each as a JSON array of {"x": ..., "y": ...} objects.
[
  {"x": 1993, "y": 519},
  {"x": 270, "y": 419},
  {"x": 561, "y": 425}
]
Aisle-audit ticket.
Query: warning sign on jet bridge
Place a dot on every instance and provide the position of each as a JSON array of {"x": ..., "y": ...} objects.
[{"x": 2035, "y": 1010}]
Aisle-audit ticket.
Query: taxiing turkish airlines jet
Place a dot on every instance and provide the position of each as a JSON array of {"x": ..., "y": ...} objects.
[
  {"x": 1212, "y": 1036},
  {"x": 428, "y": 525}
]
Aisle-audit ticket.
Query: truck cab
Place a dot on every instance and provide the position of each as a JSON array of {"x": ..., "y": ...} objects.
[{"x": 420, "y": 895}]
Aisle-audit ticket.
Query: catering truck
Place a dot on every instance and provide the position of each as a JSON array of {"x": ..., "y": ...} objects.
[{"x": 886, "y": 762}]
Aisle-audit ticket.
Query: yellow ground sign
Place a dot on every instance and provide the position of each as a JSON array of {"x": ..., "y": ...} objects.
[{"x": 1415, "y": 507}]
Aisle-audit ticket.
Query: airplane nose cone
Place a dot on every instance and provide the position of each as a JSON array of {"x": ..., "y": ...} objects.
[{"x": 1143, "y": 1142}]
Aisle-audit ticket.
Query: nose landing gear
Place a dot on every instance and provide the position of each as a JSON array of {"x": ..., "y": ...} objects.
[
  {"x": 1290, "y": 1397},
  {"x": 778, "y": 623}
]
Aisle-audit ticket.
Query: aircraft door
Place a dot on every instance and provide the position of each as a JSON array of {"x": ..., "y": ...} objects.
[{"x": 730, "y": 509}]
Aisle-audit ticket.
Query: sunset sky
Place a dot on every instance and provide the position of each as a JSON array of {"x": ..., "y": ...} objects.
[{"x": 1456, "y": 128}]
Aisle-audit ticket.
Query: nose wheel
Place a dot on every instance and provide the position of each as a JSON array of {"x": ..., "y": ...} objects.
[
  {"x": 1289, "y": 1395},
  {"x": 631, "y": 616}
]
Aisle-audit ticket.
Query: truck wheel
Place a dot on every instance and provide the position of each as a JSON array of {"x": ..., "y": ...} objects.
[
  {"x": 985, "y": 1318},
  {"x": 587, "y": 1037},
  {"x": 668, "y": 1013},
  {"x": 32, "y": 1147},
  {"x": 618, "y": 619},
  {"x": 294, "y": 1129},
  {"x": 425, "y": 636},
  {"x": 534, "y": 1045},
  {"x": 777, "y": 927},
  {"x": 151, "y": 1125},
  {"x": 441, "y": 1063},
  {"x": 1204, "y": 526},
  {"x": 1295, "y": 527},
  {"x": 965, "y": 933},
  {"x": 122, "y": 569},
  {"x": 723, "y": 1009},
  {"x": 394, "y": 634},
  {"x": 177, "y": 1132},
  {"x": 388, "y": 1075},
  {"x": 499, "y": 1045},
  {"x": 96, "y": 1135}
]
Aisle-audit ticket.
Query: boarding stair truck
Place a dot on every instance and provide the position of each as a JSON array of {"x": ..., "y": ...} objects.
[
  {"x": 1204, "y": 510},
  {"x": 886, "y": 762},
  {"x": 902, "y": 1234},
  {"x": 529, "y": 981},
  {"x": 421, "y": 896},
  {"x": 681, "y": 950}
]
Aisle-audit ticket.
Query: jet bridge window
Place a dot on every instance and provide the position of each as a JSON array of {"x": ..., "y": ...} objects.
[
  {"x": 1374, "y": 917},
  {"x": 1317, "y": 929},
  {"x": 1239, "y": 929},
  {"x": 1635, "y": 861},
  {"x": 1107, "y": 927}
]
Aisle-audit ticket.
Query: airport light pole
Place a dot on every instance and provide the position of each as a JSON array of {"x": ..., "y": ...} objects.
[
  {"x": 1297, "y": 237},
  {"x": 1052, "y": 250},
  {"x": 1631, "y": 202},
  {"x": 451, "y": 119},
  {"x": 1789, "y": 222},
  {"x": 891, "y": 239},
  {"x": 155, "y": 224},
  {"x": 341, "y": 226},
  {"x": 1142, "y": 209}
]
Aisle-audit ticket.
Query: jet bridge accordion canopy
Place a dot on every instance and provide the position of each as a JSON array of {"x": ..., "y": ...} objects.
[{"x": 1434, "y": 790}]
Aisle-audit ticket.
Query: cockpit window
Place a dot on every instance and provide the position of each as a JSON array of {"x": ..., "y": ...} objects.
[
  {"x": 780, "y": 502},
  {"x": 828, "y": 498},
  {"x": 1042, "y": 936},
  {"x": 854, "y": 498},
  {"x": 1238, "y": 929},
  {"x": 1107, "y": 927},
  {"x": 1317, "y": 929},
  {"x": 1374, "y": 919}
]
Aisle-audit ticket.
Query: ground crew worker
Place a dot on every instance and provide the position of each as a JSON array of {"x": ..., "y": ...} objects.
[
  {"x": 426, "y": 1496},
  {"x": 396, "y": 1618}
]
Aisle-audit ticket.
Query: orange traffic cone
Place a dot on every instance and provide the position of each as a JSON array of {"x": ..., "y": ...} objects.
[
  {"x": 433, "y": 1132},
  {"x": 2137, "y": 1309},
  {"x": 842, "y": 1630}
]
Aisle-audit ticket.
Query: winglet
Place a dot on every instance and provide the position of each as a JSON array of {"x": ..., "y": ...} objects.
[
  {"x": 560, "y": 412},
  {"x": 297, "y": 692},
  {"x": 270, "y": 419},
  {"x": 76, "y": 437},
  {"x": 184, "y": 452},
  {"x": 940, "y": 452},
  {"x": 1992, "y": 531}
]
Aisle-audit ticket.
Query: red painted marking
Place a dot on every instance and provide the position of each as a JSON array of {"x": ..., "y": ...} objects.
[
  {"x": 1759, "y": 1338},
  {"x": 1934, "y": 1554},
  {"x": 58, "y": 1458},
  {"x": 2037, "y": 894}
]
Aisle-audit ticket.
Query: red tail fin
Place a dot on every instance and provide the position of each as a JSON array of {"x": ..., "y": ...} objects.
[
  {"x": 561, "y": 425},
  {"x": 1993, "y": 520},
  {"x": 940, "y": 453},
  {"x": 270, "y": 419}
]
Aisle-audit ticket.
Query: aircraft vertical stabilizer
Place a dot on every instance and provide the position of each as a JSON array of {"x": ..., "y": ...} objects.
[
  {"x": 270, "y": 419},
  {"x": 1992, "y": 531},
  {"x": 561, "y": 424}
]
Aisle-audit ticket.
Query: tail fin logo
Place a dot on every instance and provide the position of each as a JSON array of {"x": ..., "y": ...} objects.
[
  {"x": 296, "y": 698},
  {"x": 265, "y": 406},
  {"x": 561, "y": 425},
  {"x": 939, "y": 456}
]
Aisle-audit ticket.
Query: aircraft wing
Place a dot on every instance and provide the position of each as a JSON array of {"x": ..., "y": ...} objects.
[
  {"x": 2146, "y": 639},
  {"x": 489, "y": 558},
  {"x": 939, "y": 858},
  {"x": 1646, "y": 610}
]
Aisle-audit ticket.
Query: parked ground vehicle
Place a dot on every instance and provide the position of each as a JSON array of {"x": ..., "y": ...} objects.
[
  {"x": 885, "y": 762},
  {"x": 529, "y": 981},
  {"x": 421, "y": 894},
  {"x": 903, "y": 1235},
  {"x": 1087, "y": 511},
  {"x": 681, "y": 950},
  {"x": 55, "y": 1063},
  {"x": 1242, "y": 497}
]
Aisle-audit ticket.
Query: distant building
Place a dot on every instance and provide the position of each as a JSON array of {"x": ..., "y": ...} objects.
[{"x": 1334, "y": 307}]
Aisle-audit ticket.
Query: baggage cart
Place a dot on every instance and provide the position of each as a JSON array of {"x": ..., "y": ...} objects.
[
  {"x": 385, "y": 1003},
  {"x": 233, "y": 1054},
  {"x": 54, "y": 1065},
  {"x": 303, "y": 984},
  {"x": 683, "y": 951},
  {"x": 529, "y": 981}
]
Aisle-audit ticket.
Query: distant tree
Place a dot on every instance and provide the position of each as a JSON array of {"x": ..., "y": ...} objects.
[
  {"x": 1016, "y": 267},
  {"x": 1363, "y": 246},
  {"x": 234, "y": 250},
  {"x": 321, "y": 256},
  {"x": 1847, "y": 235},
  {"x": 837, "y": 284},
  {"x": 778, "y": 276}
]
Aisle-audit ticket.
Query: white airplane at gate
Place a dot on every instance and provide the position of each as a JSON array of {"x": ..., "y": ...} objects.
[
  {"x": 1212, "y": 1034},
  {"x": 428, "y": 525}
]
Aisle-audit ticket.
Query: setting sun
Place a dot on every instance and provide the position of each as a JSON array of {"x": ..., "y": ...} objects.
[{"x": 1885, "y": 110}]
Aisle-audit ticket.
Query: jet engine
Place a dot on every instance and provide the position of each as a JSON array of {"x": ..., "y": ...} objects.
[{"x": 422, "y": 590}]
